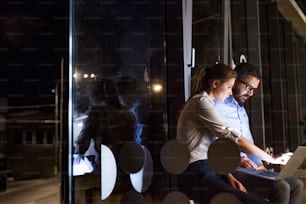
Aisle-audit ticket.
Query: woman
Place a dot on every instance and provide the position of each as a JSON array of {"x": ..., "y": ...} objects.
[{"x": 199, "y": 125}]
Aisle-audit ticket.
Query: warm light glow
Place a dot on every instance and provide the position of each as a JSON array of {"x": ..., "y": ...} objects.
[
  {"x": 157, "y": 88},
  {"x": 85, "y": 75}
]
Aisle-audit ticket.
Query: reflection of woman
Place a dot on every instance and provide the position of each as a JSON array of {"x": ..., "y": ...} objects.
[
  {"x": 198, "y": 126},
  {"x": 110, "y": 120}
]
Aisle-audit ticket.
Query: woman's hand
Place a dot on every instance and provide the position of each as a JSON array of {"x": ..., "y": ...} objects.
[
  {"x": 235, "y": 183},
  {"x": 282, "y": 158},
  {"x": 247, "y": 147}
]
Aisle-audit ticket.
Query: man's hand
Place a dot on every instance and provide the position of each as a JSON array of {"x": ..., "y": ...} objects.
[
  {"x": 247, "y": 163},
  {"x": 236, "y": 183}
]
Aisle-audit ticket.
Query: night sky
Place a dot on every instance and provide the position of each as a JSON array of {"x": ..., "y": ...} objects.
[{"x": 33, "y": 41}]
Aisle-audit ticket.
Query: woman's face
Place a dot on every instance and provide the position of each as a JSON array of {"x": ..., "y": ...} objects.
[{"x": 222, "y": 90}]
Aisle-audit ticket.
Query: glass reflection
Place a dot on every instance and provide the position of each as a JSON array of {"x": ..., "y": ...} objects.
[
  {"x": 141, "y": 180},
  {"x": 108, "y": 172},
  {"x": 120, "y": 82}
]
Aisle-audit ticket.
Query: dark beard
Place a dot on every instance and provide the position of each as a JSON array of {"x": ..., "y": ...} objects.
[{"x": 238, "y": 97}]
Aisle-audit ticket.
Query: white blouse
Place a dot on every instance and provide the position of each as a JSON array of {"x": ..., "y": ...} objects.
[{"x": 199, "y": 124}]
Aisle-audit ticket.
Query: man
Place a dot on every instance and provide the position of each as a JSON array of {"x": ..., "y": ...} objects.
[{"x": 285, "y": 191}]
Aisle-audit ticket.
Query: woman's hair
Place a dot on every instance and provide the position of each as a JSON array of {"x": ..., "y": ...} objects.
[{"x": 203, "y": 76}]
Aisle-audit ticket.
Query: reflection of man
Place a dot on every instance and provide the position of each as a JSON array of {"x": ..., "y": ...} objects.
[
  {"x": 111, "y": 117},
  {"x": 288, "y": 190}
]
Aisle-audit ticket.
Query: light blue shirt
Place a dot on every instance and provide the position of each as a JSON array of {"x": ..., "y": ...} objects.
[{"x": 236, "y": 117}]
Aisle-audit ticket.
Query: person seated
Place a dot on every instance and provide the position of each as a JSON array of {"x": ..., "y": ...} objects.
[
  {"x": 289, "y": 190},
  {"x": 199, "y": 124}
]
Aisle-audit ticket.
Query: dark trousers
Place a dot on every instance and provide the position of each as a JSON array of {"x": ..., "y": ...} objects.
[
  {"x": 286, "y": 191},
  {"x": 201, "y": 183}
]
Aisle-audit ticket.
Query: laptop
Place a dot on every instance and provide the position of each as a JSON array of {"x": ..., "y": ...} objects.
[{"x": 288, "y": 170}]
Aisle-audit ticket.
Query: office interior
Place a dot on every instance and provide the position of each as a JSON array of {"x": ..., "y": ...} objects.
[{"x": 127, "y": 75}]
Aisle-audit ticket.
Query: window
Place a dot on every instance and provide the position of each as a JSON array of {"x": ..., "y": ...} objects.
[
  {"x": 49, "y": 138},
  {"x": 28, "y": 137},
  {"x": 18, "y": 137},
  {"x": 39, "y": 137}
]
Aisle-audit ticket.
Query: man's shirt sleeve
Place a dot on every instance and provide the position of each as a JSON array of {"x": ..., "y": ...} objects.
[{"x": 236, "y": 117}]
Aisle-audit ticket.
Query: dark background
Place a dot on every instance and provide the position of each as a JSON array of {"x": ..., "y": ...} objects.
[{"x": 33, "y": 40}]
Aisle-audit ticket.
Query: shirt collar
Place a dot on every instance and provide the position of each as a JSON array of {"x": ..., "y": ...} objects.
[{"x": 231, "y": 101}]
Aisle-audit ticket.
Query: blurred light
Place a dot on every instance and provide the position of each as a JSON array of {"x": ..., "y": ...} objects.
[
  {"x": 75, "y": 75},
  {"x": 85, "y": 76},
  {"x": 81, "y": 165},
  {"x": 157, "y": 87},
  {"x": 80, "y": 124}
]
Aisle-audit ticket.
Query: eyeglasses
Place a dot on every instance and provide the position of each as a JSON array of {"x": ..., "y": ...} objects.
[{"x": 248, "y": 87}]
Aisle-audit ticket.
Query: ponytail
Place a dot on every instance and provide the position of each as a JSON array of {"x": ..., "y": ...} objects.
[{"x": 202, "y": 78}]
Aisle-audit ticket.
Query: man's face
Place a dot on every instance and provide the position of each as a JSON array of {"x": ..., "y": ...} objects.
[{"x": 245, "y": 88}]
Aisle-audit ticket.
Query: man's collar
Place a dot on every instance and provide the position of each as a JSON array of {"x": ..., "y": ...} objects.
[
  {"x": 229, "y": 100},
  {"x": 232, "y": 101}
]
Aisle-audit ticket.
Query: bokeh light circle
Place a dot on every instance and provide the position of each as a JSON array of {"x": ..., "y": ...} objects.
[
  {"x": 174, "y": 156},
  {"x": 132, "y": 197},
  {"x": 176, "y": 197},
  {"x": 224, "y": 198},
  {"x": 131, "y": 157},
  {"x": 108, "y": 172},
  {"x": 223, "y": 155},
  {"x": 141, "y": 180}
]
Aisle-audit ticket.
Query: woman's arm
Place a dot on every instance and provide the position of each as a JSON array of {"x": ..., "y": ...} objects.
[
  {"x": 236, "y": 183},
  {"x": 210, "y": 118},
  {"x": 252, "y": 149}
]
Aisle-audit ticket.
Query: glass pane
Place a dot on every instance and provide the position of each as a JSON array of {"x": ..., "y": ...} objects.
[
  {"x": 206, "y": 31},
  {"x": 121, "y": 151},
  {"x": 118, "y": 101}
]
